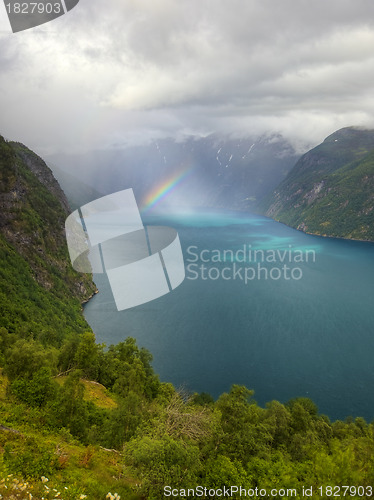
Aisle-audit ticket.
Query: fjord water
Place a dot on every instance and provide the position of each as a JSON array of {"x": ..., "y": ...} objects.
[{"x": 312, "y": 336}]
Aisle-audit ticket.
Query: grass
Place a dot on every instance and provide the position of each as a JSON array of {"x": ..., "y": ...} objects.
[
  {"x": 95, "y": 393},
  {"x": 36, "y": 463}
]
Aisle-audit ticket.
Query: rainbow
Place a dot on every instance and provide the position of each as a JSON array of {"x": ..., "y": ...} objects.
[{"x": 161, "y": 191}]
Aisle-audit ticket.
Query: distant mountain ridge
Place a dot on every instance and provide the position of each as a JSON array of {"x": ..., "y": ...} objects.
[
  {"x": 218, "y": 171},
  {"x": 77, "y": 192},
  {"x": 330, "y": 190}
]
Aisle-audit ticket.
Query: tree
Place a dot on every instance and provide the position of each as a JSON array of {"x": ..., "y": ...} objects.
[
  {"x": 278, "y": 420},
  {"x": 163, "y": 461},
  {"x": 72, "y": 409},
  {"x": 37, "y": 390},
  {"x": 87, "y": 356},
  {"x": 26, "y": 357},
  {"x": 243, "y": 431},
  {"x": 123, "y": 421}
]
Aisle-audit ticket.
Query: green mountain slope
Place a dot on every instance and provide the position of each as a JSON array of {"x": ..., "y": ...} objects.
[
  {"x": 40, "y": 293},
  {"x": 330, "y": 189}
]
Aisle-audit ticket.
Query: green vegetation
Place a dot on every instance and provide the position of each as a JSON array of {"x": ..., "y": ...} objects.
[
  {"x": 168, "y": 438},
  {"x": 330, "y": 189},
  {"x": 79, "y": 420}
]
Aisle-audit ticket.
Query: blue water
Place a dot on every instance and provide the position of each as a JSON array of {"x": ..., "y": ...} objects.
[{"x": 284, "y": 338}]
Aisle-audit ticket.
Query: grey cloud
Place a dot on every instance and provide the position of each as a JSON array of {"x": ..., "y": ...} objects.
[{"x": 134, "y": 69}]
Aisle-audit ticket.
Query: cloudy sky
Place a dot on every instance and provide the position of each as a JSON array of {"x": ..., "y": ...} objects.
[{"x": 113, "y": 72}]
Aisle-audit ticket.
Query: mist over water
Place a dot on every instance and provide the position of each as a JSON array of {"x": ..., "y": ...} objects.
[{"x": 311, "y": 336}]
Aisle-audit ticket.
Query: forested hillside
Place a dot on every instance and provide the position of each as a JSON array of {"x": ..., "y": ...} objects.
[
  {"x": 330, "y": 189},
  {"x": 81, "y": 420}
]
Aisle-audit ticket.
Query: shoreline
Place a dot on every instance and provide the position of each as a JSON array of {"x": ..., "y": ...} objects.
[
  {"x": 323, "y": 235},
  {"x": 89, "y": 298}
]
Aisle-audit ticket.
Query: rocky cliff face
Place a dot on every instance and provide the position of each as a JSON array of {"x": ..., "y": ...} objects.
[
  {"x": 33, "y": 209},
  {"x": 330, "y": 189},
  {"x": 42, "y": 172}
]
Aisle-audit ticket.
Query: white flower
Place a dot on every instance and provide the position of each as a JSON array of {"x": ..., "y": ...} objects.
[{"x": 44, "y": 479}]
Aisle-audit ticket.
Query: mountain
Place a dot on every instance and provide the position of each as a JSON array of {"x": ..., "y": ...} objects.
[
  {"x": 77, "y": 192},
  {"x": 47, "y": 348},
  {"x": 214, "y": 171},
  {"x": 330, "y": 190},
  {"x": 40, "y": 293}
]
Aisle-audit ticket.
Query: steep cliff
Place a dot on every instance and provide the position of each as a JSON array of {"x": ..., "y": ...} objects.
[
  {"x": 40, "y": 293},
  {"x": 330, "y": 190}
]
